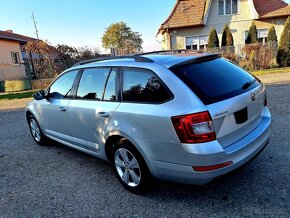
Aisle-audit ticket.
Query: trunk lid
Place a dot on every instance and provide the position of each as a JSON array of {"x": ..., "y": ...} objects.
[
  {"x": 236, "y": 117},
  {"x": 233, "y": 97}
]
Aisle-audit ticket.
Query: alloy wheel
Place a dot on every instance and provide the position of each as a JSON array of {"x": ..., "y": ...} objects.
[
  {"x": 127, "y": 167},
  {"x": 35, "y": 130}
]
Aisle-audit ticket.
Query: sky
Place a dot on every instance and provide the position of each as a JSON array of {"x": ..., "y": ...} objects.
[{"x": 82, "y": 22}]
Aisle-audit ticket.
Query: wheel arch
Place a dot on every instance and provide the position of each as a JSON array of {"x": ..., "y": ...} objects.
[
  {"x": 115, "y": 138},
  {"x": 109, "y": 145},
  {"x": 28, "y": 113}
]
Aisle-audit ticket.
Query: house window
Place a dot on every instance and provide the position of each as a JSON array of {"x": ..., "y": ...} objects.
[
  {"x": 203, "y": 43},
  {"x": 197, "y": 43},
  {"x": 262, "y": 35},
  {"x": 226, "y": 7},
  {"x": 15, "y": 57}
]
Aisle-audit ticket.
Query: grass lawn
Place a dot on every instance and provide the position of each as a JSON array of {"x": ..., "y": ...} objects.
[
  {"x": 270, "y": 71},
  {"x": 17, "y": 95}
]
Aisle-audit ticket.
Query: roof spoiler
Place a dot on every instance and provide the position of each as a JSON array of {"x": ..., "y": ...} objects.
[
  {"x": 172, "y": 51},
  {"x": 203, "y": 58}
]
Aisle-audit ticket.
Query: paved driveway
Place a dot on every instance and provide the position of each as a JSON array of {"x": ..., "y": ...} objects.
[{"x": 58, "y": 181}]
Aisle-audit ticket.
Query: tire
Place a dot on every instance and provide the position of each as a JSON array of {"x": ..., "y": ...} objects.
[
  {"x": 130, "y": 168},
  {"x": 35, "y": 131}
]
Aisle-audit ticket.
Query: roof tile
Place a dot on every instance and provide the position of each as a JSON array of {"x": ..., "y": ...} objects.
[
  {"x": 15, "y": 37},
  {"x": 189, "y": 13},
  {"x": 186, "y": 13},
  {"x": 271, "y": 8}
]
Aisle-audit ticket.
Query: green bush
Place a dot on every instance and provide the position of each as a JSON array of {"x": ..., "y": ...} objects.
[
  {"x": 213, "y": 40},
  {"x": 283, "y": 55},
  {"x": 252, "y": 35},
  {"x": 272, "y": 36},
  {"x": 227, "y": 42},
  {"x": 224, "y": 36}
]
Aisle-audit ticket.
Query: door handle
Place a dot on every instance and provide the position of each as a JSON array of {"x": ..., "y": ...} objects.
[
  {"x": 62, "y": 109},
  {"x": 103, "y": 114}
]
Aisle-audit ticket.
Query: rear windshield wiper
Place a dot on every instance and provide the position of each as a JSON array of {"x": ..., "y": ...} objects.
[{"x": 248, "y": 84}]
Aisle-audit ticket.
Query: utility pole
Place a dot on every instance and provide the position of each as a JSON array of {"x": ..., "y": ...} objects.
[
  {"x": 30, "y": 53},
  {"x": 36, "y": 30}
]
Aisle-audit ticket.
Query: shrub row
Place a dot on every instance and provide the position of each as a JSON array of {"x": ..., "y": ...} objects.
[{"x": 41, "y": 83}]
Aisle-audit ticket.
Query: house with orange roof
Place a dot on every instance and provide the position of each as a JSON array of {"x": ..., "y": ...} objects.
[
  {"x": 12, "y": 56},
  {"x": 190, "y": 21}
]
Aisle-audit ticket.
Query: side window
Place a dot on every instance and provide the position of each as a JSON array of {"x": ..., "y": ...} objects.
[
  {"x": 141, "y": 85},
  {"x": 61, "y": 88},
  {"x": 92, "y": 83},
  {"x": 110, "y": 92}
]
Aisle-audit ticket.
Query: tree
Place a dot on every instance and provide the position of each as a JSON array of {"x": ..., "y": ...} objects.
[
  {"x": 272, "y": 36},
  {"x": 252, "y": 34},
  {"x": 66, "y": 52},
  {"x": 213, "y": 40},
  {"x": 283, "y": 56},
  {"x": 120, "y": 36},
  {"x": 224, "y": 36},
  {"x": 85, "y": 53}
]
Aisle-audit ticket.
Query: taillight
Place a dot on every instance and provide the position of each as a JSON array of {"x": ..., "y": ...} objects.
[
  {"x": 265, "y": 100},
  {"x": 194, "y": 128}
]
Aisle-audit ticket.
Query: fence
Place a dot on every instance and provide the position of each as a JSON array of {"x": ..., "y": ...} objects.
[{"x": 14, "y": 85}]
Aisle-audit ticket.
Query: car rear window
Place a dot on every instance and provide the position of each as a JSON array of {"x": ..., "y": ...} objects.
[{"x": 215, "y": 80}]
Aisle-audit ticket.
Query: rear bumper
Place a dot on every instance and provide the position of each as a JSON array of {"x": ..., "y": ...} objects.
[{"x": 239, "y": 153}]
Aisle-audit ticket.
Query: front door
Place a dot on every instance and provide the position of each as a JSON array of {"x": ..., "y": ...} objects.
[{"x": 54, "y": 110}]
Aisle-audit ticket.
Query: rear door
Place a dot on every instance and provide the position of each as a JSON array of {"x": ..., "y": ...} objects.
[
  {"x": 91, "y": 110},
  {"x": 234, "y": 98}
]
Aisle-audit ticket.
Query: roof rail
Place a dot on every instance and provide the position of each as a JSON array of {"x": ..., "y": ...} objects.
[
  {"x": 169, "y": 51},
  {"x": 137, "y": 58}
]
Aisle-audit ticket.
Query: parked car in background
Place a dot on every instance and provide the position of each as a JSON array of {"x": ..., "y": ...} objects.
[{"x": 174, "y": 115}]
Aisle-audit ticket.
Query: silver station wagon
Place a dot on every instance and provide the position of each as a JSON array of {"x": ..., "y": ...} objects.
[{"x": 173, "y": 115}]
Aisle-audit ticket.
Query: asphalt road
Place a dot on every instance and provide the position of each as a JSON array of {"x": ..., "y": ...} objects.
[{"x": 58, "y": 181}]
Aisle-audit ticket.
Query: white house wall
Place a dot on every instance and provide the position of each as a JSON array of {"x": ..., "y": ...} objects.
[{"x": 238, "y": 23}]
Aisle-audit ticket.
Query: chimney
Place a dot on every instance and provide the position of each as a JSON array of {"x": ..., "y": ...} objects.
[{"x": 9, "y": 31}]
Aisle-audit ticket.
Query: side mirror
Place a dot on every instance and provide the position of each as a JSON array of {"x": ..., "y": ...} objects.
[{"x": 39, "y": 95}]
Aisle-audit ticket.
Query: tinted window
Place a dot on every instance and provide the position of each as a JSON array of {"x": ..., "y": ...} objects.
[
  {"x": 143, "y": 86},
  {"x": 215, "y": 80},
  {"x": 92, "y": 83},
  {"x": 110, "y": 92},
  {"x": 61, "y": 88}
]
